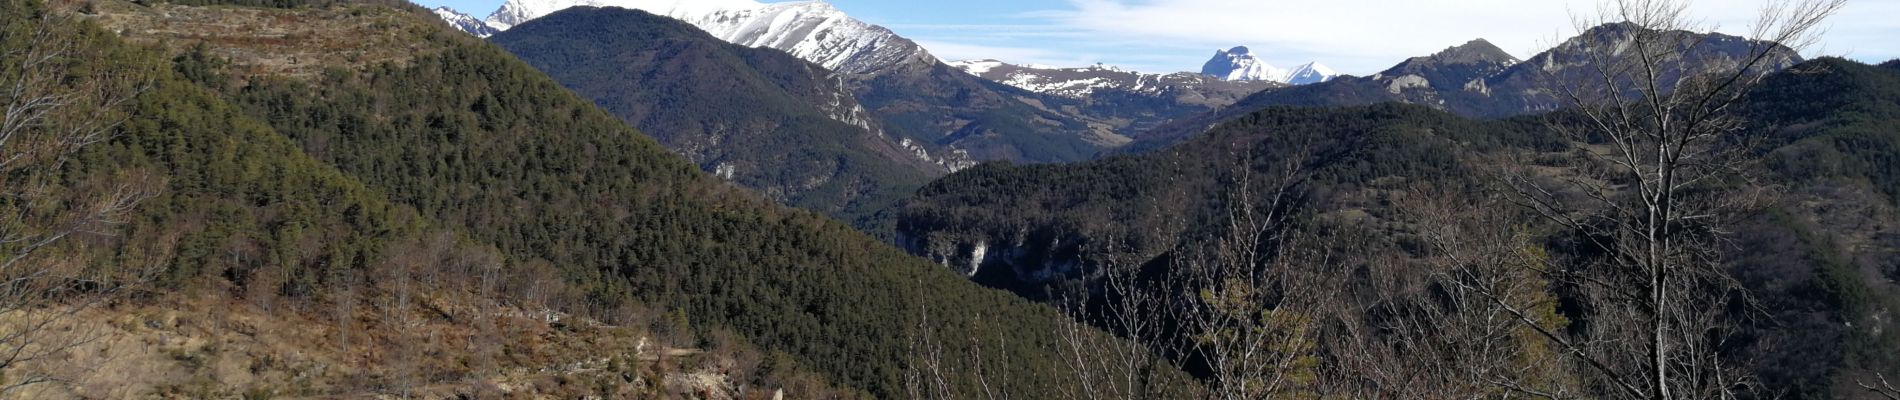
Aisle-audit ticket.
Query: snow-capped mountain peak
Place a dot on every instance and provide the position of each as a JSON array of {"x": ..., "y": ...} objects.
[
  {"x": 464, "y": 22},
  {"x": 1240, "y": 64},
  {"x": 811, "y": 30},
  {"x": 1309, "y": 73}
]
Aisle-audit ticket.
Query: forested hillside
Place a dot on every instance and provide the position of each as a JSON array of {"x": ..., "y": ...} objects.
[
  {"x": 630, "y": 222},
  {"x": 235, "y": 265},
  {"x": 1833, "y": 125},
  {"x": 1818, "y": 259},
  {"x": 759, "y": 117},
  {"x": 1038, "y": 218},
  {"x": 312, "y": 207}
]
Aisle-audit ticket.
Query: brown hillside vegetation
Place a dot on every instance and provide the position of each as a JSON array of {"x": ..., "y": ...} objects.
[
  {"x": 212, "y": 348},
  {"x": 297, "y": 43}
]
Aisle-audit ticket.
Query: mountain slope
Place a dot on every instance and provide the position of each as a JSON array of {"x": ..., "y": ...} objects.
[
  {"x": 761, "y": 118},
  {"x": 1455, "y": 65},
  {"x": 946, "y": 110},
  {"x": 485, "y": 145}
]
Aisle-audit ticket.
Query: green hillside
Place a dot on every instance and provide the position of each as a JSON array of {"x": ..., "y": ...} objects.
[{"x": 300, "y": 188}]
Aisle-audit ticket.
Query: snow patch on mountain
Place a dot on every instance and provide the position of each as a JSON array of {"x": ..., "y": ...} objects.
[
  {"x": 1081, "y": 82},
  {"x": 975, "y": 67},
  {"x": 1066, "y": 82},
  {"x": 1039, "y": 84}
]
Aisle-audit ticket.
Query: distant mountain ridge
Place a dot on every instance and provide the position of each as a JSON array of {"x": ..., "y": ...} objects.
[
  {"x": 1057, "y": 116},
  {"x": 937, "y": 112},
  {"x": 1133, "y": 101},
  {"x": 811, "y": 30},
  {"x": 1475, "y": 79},
  {"x": 1084, "y": 81}
]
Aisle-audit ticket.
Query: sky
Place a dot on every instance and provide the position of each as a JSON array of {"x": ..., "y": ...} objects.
[{"x": 1359, "y": 37}]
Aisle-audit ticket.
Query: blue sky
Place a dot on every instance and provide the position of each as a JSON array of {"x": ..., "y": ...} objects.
[{"x": 1353, "y": 36}]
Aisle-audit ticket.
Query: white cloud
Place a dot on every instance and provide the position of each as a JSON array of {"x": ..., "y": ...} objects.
[{"x": 1364, "y": 36}]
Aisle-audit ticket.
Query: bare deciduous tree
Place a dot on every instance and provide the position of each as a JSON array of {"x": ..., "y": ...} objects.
[
  {"x": 1238, "y": 303},
  {"x": 1139, "y": 316},
  {"x": 933, "y": 373},
  {"x": 1657, "y": 191},
  {"x": 1482, "y": 321},
  {"x": 1254, "y": 295},
  {"x": 396, "y": 308},
  {"x": 1882, "y": 388},
  {"x": 50, "y": 110}
]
